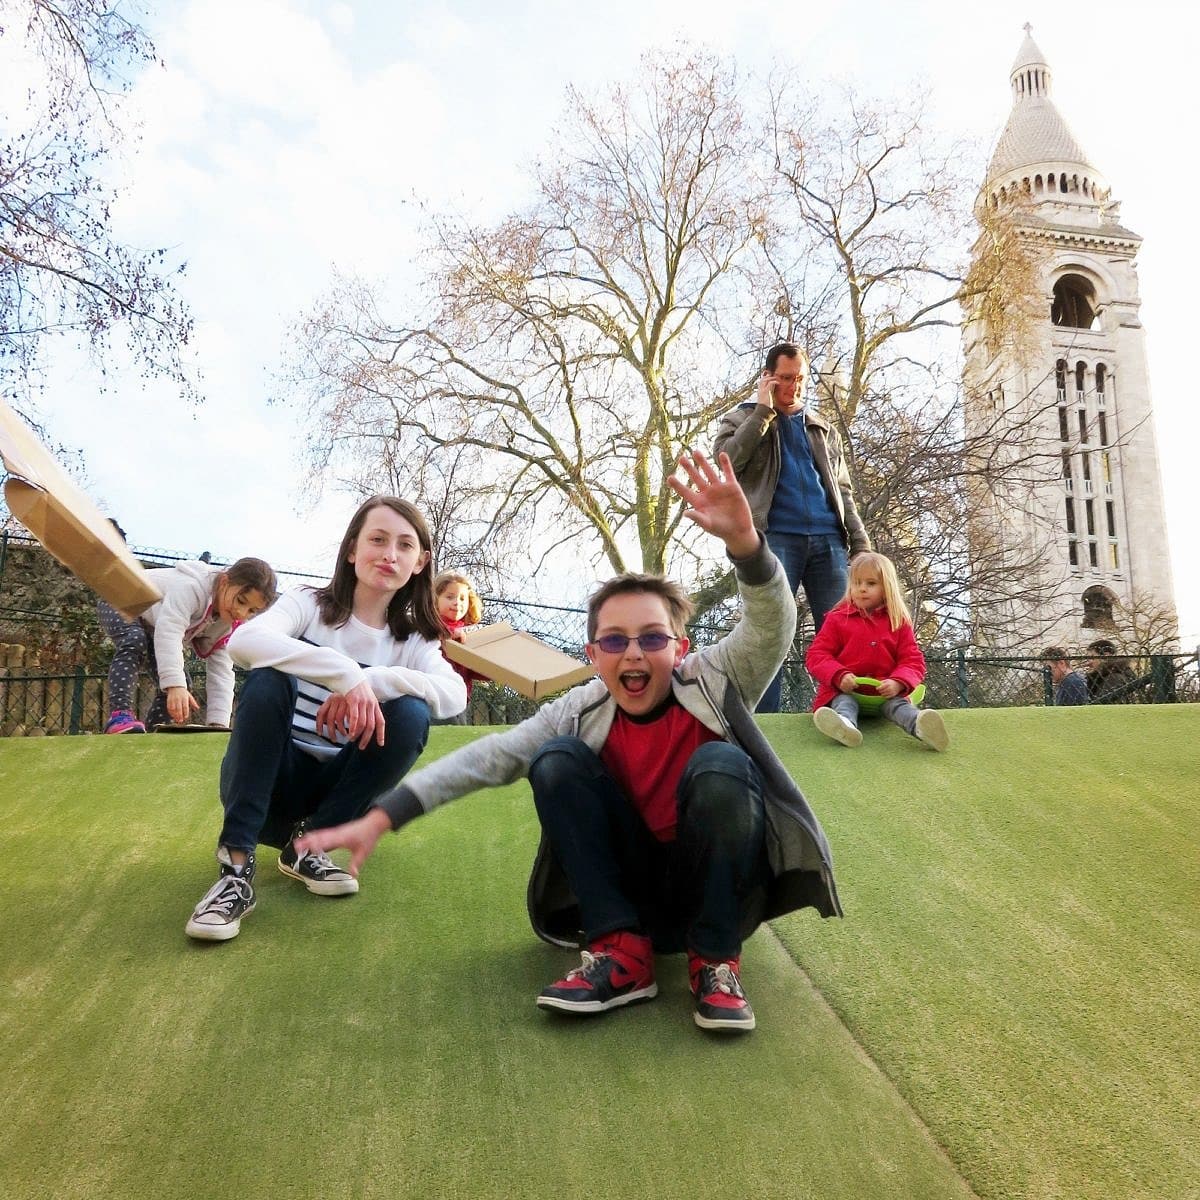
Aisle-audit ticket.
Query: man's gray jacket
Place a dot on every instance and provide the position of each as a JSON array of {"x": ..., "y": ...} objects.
[
  {"x": 719, "y": 686},
  {"x": 749, "y": 436}
]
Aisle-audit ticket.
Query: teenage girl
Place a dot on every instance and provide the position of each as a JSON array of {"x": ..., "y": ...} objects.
[
  {"x": 870, "y": 633},
  {"x": 201, "y": 606},
  {"x": 336, "y": 708},
  {"x": 458, "y": 606}
]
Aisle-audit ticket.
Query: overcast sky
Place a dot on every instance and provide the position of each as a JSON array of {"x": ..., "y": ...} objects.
[{"x": 282, "y": 138}]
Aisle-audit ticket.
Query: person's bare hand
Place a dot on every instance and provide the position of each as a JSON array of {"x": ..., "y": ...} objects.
[
  {"x": 359, "y": 837},
  {"x": 848, "y": 683},
  {"x": 889, "y": 688},
  {"x": 181, "y": 704},
  {"x": 355, "y": 715},
  {"x": 715, "y": 501},
  {"x": 766, "y": 389}
]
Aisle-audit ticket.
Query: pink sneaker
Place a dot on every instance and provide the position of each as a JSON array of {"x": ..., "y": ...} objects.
[{"x": 123, "y": 721}]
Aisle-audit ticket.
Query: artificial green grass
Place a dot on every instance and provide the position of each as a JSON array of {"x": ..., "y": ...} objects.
[
  {"x": 1019, "y": 957},
  {"x": 1020, "y": 953},
  {"x": 382, "y": 1045}
]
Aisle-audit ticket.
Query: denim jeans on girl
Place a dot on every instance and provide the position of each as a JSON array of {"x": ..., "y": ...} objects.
[{"x": 269, "y": 785}]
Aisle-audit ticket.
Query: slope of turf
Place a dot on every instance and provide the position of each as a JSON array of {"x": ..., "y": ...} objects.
[
  {"x": 1021, "y": 949},
  {"x": 384, "y": 1045},
  {"x": 1020, "y": 959}
]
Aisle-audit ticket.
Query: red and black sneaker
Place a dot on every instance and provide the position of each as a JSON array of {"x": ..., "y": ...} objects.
[
  {"x": 617, "y": 969},
  {"x": 720, "y": 1002}
]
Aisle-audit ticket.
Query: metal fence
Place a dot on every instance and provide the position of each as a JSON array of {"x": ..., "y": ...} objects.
[{"x": 34, "y": 703}]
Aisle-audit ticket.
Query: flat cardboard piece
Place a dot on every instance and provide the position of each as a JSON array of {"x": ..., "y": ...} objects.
[
  {"x": 169, "y": 728},
  {"x": 518, "y": 659},
  {"x": 43, "y": 498}
]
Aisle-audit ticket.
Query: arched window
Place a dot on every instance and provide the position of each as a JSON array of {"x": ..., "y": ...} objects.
[
  {"x": 1074, "y": 304},
  {"x": 1098, "y": 609}
]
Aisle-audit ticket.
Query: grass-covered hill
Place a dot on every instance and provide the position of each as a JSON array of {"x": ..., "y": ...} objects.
[{"x": 1008, "y": 1009}]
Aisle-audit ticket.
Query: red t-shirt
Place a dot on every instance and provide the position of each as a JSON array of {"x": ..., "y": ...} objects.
[{"x": 647, "y": 755}]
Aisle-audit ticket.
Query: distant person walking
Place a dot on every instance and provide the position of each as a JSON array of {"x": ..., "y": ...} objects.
[
  {"x": 1070, "y": 687},
  {"x": 1107, "y": 674},
  {"x": 789, "y": 462}
]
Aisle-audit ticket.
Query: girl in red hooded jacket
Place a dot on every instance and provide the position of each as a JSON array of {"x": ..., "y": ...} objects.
[
  {"x": 458, "y": 606},
  {"x": 870, "y": 634}
]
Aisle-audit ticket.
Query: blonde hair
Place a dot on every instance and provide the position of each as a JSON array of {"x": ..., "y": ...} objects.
[
  {"x": 893, "y": 593},
  {"x": 443, "y": 579}
]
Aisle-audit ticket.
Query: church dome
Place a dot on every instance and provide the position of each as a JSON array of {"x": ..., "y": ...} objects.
[{"x": 1036, "y": 132}]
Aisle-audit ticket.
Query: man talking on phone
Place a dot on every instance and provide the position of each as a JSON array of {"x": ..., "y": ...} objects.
[{"x": 789, "y": 463}]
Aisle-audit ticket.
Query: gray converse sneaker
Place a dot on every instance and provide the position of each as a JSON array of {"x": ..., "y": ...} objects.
[
  {"x": 318, "y": 872},
  {"x": 218, "y": 916},
  {"x": 931, "y": 729},
  {"x": 834, "y": 725}
]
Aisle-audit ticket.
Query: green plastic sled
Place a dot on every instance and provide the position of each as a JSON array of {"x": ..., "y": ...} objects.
[{"x": 872, "y": 702}]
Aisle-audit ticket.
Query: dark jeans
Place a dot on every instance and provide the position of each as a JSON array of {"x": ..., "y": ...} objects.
[
  {"x": 268, "y": 784},
  {"x": 701, "y": 892},
  {"x": 818, "y": 563}
]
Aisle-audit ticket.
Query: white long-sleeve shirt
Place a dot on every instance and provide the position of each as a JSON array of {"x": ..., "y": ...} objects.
[
  {"x": 291, "y": 637},
  {"x": 185, "y": 617}
]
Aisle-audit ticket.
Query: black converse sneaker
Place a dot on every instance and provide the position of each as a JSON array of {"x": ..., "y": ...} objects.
[
  {"x": 218, "y": 916},
  {"x": 318, "y": 872}
]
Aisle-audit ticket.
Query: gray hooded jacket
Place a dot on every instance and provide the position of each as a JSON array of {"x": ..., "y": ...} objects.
[{"x": 719, "y": 686}]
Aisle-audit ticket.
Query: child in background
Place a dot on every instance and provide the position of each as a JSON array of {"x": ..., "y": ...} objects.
[
  {"x": 335, "y": 710},
  {"x": 668, "y": 823},
  {"x": 870, "y": 633},
  {"x": 201, "y": 607},
  {"x": 458, "y": 606}
]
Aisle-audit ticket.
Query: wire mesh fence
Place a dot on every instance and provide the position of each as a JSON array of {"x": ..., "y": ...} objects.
[
  {"x": 37, "y": 698},
  {"x": 34, "y": 703}
]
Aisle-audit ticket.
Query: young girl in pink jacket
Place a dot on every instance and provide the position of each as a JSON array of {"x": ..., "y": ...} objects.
[{"x": 870, "y": 634}]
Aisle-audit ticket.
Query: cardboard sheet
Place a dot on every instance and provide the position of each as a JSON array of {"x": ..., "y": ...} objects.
[
  {"x": 518, "y": 659},
  {"x": 45, "y": 500}
]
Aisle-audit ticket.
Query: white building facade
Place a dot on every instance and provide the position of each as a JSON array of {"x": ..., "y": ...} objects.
[{"x": 1082, "y": 520}]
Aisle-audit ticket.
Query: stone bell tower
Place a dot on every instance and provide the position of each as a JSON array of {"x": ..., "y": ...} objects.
[{"x": 1084, "y": 528}]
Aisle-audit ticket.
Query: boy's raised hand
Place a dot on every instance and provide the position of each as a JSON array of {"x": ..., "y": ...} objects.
[{"x": 716, "y": 502}]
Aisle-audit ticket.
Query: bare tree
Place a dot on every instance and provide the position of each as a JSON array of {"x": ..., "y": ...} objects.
[
  {"x": 579, "y": 344},
  {"x": 62, "y": 273},
  {"x": 887, "y": 216}
]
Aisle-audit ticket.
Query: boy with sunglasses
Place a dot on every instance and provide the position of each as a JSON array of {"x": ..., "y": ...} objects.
[{"x": 668, "y": 823}]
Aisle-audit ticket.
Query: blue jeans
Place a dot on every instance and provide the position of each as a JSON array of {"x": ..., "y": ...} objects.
[
  {"x": 704, "y": 891},
  {"x": 269, "y": 785},
  {"x": 818, "y": 563}
]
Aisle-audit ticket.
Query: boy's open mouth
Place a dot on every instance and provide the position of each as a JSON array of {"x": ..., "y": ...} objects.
[{"x": 635, "y": 682}]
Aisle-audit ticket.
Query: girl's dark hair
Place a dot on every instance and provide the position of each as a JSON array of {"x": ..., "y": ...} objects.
[
  {"x": 412, "y": 609},
  {"x": 254, "y": 573}
]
